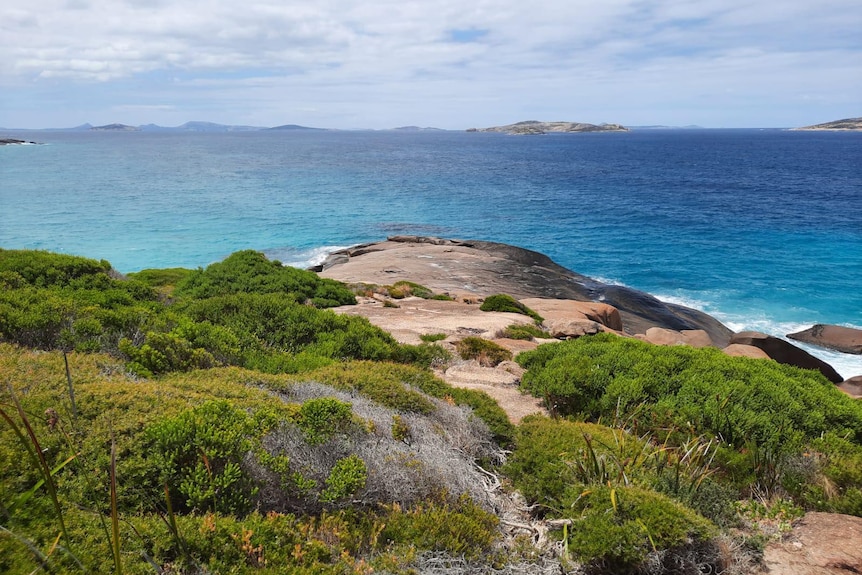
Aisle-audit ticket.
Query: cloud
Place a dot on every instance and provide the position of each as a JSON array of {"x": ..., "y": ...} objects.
[{"x": 441, "y": 59}]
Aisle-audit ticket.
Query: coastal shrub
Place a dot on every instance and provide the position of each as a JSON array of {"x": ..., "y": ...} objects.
[
  {"x": 460, "y": 528},
  {"x": 506, "y": 303},
  {"x": 46, "y": 269},
  {"x": 764, "y": 415},
  {"x": 199, "y": 452},
  {"x": 615, "y": 529},
  {"x": 276, "y": 321},
  {"x": 738, "y": 399},
  {"x": 220, "y": 439},
  {"x": 386, "y": 384},
  {"x": 251, "y": 272},
  {"x": 163, "y": 279},
  {"x": 322, "y": 418},
  {"x": 432, "y": 337},
  {"x": 422, "y": 355},
  {"x": 486, "y": 352},
  {"x": 402, "y": 289},
  {"x": 544, "y": 462},
  {"x": 522, "y": 331},
  {"x": 347, "y": 477}
]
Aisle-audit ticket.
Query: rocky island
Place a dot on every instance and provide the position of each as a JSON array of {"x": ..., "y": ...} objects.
[
  {"x": 13, "y": 142},
  {"x": 845, "y": 125},
  {"x": 533, "y": 127}
]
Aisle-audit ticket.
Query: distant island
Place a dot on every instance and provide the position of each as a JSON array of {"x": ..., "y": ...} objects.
[
  {"x": 532, "y": 127},
  {"x": 115, "y": 128},
  {"x": 847, "y": 124},
  {"x": 294, "y": 127}
]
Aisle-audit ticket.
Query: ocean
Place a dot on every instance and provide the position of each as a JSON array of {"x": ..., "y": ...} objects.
[{"x": 760, "y": 228}]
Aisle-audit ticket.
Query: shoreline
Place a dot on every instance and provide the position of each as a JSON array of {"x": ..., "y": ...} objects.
[{"x": 480, "y": 268}]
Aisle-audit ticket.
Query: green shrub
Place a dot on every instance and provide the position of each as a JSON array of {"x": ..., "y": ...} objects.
[
  {"x": 616, "y": 528},
  {"x": 422, "y": 355},
  {"x": 160, "y": 278},
  {"x": 276, "y": 322},
  {"x": 347, "y": 477},
  {"x": 486, "y": 352},
  {"x": 322, "y": 418},
  {"x": 250, "y": 272},
  {"x": 506, "y": 303},
  {"x": 738, "y": 399},
  {"x": 199, "y": 452},
  {"x": 432, "y": 337},
  {"x": 44, "y": 269},
  {"x": 764, "y": 415},
  {"x": 523, "y": 331},
  {"x": 384, "y": 383},
  {"x": 544, "y": 463},
  {"x": 460, "y": 528}
]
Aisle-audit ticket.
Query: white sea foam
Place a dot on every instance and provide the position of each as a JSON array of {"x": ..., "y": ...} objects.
[
  {"x": 847, "y": 365},
  {"x": 303, "y": 258}
]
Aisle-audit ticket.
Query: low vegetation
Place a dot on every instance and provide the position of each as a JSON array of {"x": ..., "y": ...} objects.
[
  {"x": 506, "y": 303},
  {"x": 774, "y": 432},
  {"x": 487, "y": 353},
  {"x": 523, "y": 331},
  {"x": 221, "y": 420}
]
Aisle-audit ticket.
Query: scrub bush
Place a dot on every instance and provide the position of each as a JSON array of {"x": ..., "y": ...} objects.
[
  {"x": 486, "y": 352},
  {"x": 523, "y": 331},
  {"x": 250, "y": 272},
  {"x": 506, "y": 303}
]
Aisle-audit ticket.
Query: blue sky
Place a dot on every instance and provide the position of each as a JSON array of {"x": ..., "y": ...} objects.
[{"x": 443, "y": 63}]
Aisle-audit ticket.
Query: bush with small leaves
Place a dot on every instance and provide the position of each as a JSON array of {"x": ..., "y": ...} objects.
[
  {"x": 322, "y": 418},
  {"x": 523, "y": 331},
  {"x": 486, "y": 352},
  {"x": 346, "y": 478},
  {"x": 506, "y": 303},
  {"x": 615, "y": 529}
]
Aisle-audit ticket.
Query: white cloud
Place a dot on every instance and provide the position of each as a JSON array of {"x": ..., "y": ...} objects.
[{"x": 389, "y": 59}]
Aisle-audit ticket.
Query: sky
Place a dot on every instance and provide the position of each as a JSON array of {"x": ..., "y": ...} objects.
[{"x": 453, "y": 64}]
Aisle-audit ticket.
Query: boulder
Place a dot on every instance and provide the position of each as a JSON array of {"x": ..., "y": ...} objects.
[
  {"x": 852, "y": 387},
  {"x": 839, "y": 338},
  {"x": 739, "y": 350},
  {"x": 663, "y": 336},
  {"x": 565, "y": 309},
  {"x": 571, "y": 329},
  {"x": 787, "y": 353},
  {"x": 817, "y": 544}
]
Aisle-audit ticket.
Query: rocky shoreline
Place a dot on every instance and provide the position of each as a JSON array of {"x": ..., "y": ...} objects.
[{"x": 572, "y": 304}]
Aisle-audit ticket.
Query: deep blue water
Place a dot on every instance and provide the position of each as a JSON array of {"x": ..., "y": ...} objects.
[{"x": 761, "y": 228}]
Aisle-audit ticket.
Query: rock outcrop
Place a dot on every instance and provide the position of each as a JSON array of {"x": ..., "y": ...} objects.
[
  {"x": 740, "y": 350},
  {"x": 13, "y": 142},
  {"x": 663, "y": 336},
  {"x": 818, "y": 544},
  {"x": 839, "y": 338},
  {"x": 532, "y": 127},
  {"x": 852, "y": 386},
  {"x": 486, "y": 268},
  {"x": 787, "y": 353},
  {"x": 566, "y": 318}
]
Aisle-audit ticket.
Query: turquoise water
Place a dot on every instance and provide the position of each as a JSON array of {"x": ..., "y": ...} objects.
[{"x": 763, "y": 229}]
